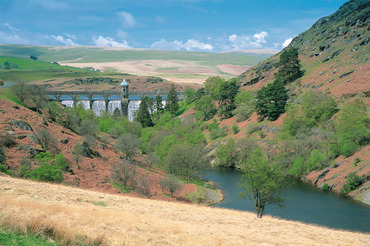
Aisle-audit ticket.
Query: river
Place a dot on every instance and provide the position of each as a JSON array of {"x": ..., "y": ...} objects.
[{"x": 304, "y": 203}]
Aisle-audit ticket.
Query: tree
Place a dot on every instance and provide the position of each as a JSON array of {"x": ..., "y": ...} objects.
[
  {"x": 171, "y": 184},
  {"x": 205, "y": 107},
  {"x": 128, "y": 144},
  {"x": 144, "y": 186},
  {"x": 172, "y": 104},
  {"x": 124, "y": 173},
  {"x": 34, "y": 57},
  {"x": 290, "y": 69},
  {"x": 48, "y": 141},
  {"x": 37, "y": 96},
  {"x": 152, "y": 160},
  {"x": 143, "y": 114},
  {"x": 226, "y": 92},
  {"x": 211, "y": 86},
  {"x": 21, "y": 91},
  {"x": 226, "y": 154},
  {"x": 77, "y": 154},
  {"x": 189, "y": 94},
  {"x": 184, "y": 160},
  {"x": 271, "y": 101},
  {"x": 261, "y": 181}
]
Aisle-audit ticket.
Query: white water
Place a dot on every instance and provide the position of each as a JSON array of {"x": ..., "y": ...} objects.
[
  {"x": 133, "y": 107},
  {"x": 67, "y": 103},
  {"x": 112, "y": 105},
  {"x": 98, "y": 106},
  {"x": 84, "y": 103}
]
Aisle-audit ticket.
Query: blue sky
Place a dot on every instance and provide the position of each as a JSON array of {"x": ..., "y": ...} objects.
[{"x": 194, "y": 25}]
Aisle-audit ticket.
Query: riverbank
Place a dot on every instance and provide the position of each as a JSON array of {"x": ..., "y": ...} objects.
[{"x": 118, "y": 219}]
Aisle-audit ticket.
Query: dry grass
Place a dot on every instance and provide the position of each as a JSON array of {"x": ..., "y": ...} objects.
[{"x": 69, "y": 215}]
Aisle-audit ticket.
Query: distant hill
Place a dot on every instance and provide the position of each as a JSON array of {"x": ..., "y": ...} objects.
[
  {"x": 334, "y": 54},
  {"x": 175, "y": 66}
]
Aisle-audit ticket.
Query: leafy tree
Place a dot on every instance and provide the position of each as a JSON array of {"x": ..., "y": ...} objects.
[
  {"x": 171, "y": 184},
  {"x": 88, "y": 128},
  {"x": 184, "y": 160},
  {"x": 189, "y": 94},
  {"x": 271, "y": 101},
  {"x": 143, "y": 114},
  {"x": 211, "y": 86},
  {"x": 226, "y": 92},
  {"x": 290, "y": 68},
  {"x": 261, "y": 181},
  {"x": 352, "y": 127},
  {"x": 226, "y": 154},
  {"x": 124, "y": 173},
  {"x": 205, "y": 107},
  {"x": 34, "y": 57},
  {"x": 172, "y": 104},
  {"x": 158, "y": 105}
]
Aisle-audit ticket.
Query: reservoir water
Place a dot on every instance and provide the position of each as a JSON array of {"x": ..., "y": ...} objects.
[{"x": 305, "y": 203}]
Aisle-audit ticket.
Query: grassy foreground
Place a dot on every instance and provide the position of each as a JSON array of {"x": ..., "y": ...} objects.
[{"x": 73, "y": 216}]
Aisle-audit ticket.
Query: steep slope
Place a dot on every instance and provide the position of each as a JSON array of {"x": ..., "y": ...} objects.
[{"x": 334, "y": 54}]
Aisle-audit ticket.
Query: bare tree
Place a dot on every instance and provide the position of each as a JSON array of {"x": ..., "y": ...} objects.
[
  {"x": 144, "y": 186},
  {"x": 152, "y": 160},
  {"x": 48, "y": 141},
  {"x": 20, "y": 91},
  {"x": 171, "y": 184},
  {"x": 128, "y": 144},
  {"x": 77, "y": 154},
  {"x": 124, "y": 173}
]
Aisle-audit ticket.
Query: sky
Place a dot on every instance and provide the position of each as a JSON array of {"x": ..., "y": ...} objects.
[{"x": 190, "y": 25}]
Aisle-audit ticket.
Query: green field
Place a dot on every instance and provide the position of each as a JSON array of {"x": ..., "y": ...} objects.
[{"x": 100, "y": 54}]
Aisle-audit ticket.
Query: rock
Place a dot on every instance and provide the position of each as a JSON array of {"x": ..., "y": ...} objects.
[
  {"x": 24, "y": 147},
  {"x": 322, "y": 175},
  {"x": 33, "y": 152},
  {"x": 34, "y": 138},
  {"x": 346, "y": 74},
  {"x": 22, "y": 136},
  {"x": 87, "y": 152},
  {"x": 16, "y": 107},
  {"x": 11, "y": 133},
  {"x": 22, "y": 125},
  {"x": 64, "y": 141},
  {"x": 10, "y": 128}
]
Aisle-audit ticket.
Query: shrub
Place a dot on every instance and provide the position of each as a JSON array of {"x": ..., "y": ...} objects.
[
  {"x": 8, "y": 140},
  {"x": 45, "y": 172},
  {"x": 48, "y": 141},
  {"x": 4, "y": 170},
  {"x": 144, "y": 186},
  {"x": 353, "y": 181},
  {"x": 236, "y": 129},
  {"x": 326, "y": 187},
  {"x": 261, "y": 134}
]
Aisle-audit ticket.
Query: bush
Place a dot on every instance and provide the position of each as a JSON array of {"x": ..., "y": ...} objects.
[
  {"x": 326, "y": 187},
  {"x": 4, "y": 170},
  {"x": 236, "y": 129},
  {"x": 144, "y": 186},
  {"x": 48, "y": 141},
  {"x": 8, "y": 140},
  {"x": 353, "y": 181},
  {"x": 45, "y": 172}
]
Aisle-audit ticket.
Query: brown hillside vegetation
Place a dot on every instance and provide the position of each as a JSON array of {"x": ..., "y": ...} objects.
[{"x": 116, "y": 220}]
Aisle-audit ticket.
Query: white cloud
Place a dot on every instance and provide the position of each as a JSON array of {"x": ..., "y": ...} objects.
[
  {"x": 122, "y": 34},
  {"x": 128, "y": 21},
  {"x": 108, "y": 41},
  {"x": 232, "y": 37},
  {"x": 260, "y": 37},
  {"x": 190, "y": 45},
  {"x": 72, "y": 36},
  {"x": 287, "y": 42},
  {"x": 7, "y": 38},
  {"x": 65, "y": 41}
]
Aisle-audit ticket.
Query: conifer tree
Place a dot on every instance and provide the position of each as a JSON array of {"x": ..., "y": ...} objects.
[
  {"x": 143, "y": 115},
  {"x": 172, "y": 104},
  {"x": 290, "y": 69}
]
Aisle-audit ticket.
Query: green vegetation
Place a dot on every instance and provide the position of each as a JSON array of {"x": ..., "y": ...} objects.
[
  {"x": 290, "y": 68},
  {"x": 352, "y": 182},
  {"x": 172, "y": 104},
  {"x": 10, "y": 238},
  {"x": 261, "y": 181}
]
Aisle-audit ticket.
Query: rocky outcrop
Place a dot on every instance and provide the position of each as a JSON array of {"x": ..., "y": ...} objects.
[{"x": 22, "y": 125}]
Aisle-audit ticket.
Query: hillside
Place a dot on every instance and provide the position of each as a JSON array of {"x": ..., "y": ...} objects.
[
  {"x": 333, "y": 53},
  {"x": 74, "y": 215},
  {"x": 175, "y": 66},
  {"x": 334, "y": 57}
]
